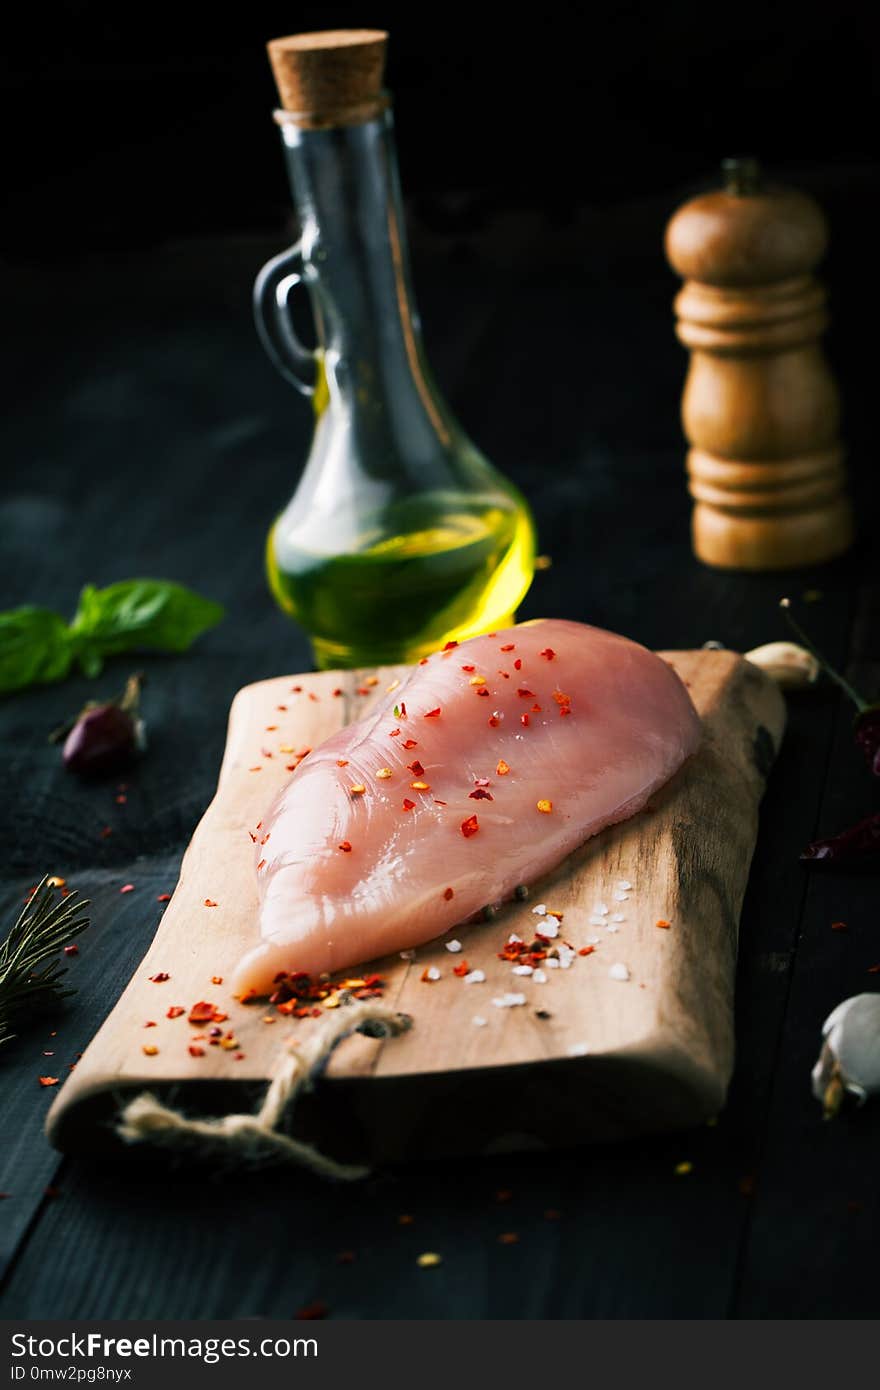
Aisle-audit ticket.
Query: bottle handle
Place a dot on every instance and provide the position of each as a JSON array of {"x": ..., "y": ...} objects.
[{"x": 272, "y": 289}]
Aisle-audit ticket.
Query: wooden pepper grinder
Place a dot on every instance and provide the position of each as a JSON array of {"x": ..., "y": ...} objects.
[{"x": 760, "y": 408}]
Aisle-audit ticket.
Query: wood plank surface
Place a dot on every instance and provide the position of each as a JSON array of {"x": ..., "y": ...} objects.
[{"x": 614, "y": 1057}]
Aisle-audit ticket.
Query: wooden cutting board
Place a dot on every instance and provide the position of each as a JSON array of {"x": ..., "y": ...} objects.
[{"x": 613, "y": 1058}]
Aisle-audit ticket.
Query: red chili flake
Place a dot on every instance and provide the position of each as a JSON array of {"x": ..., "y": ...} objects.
[
  {"x": 450, "y": 646},
  {"x": 160, "y": 978},
  {"x": 874, "y": 969},
  {"x": 209, "y": 902},
  {"x": 409, "y": 743},
  {"x": 561, "y": 698},
  {"x": 165, "y": 897},
  {"x": 494, "y": 720},
  {"x": 400, "y": 711},
  {"x": 346, "y": 1257},
  {"x": 432, "y": 713},
  {"x": 345, "y": 846},
  {"x": 202, "y": 1012},
  {"x": 662, "y": 922},
  {"x": 218, "y": 1017},
  {"x": 363, "y": 690},
  {"x": 149, "y": 1024},
  {"x": 121, "y": 799},
  {"x": 415, "y": 768},
  {"x": 504, "y": 1194},
  {"x": 508, "y": 1238},
  {"x": 449, "y": 894},
  {"x": 524, "y": 720},
  {"x": 296, "y": 689},
  {"x": 502, "y": 768},
  {"x": 261, "y": 865},
  {"x": 551, "y": 1214},
  {"x": 106, "y": 833},
  {"x": 548, "y": 653},
  {"x": 216, "y": 979},
  {"x": 423, "y": 661},
  {"x": 469, "y": 668},
  {"x": 405, "y": 1219},
  {"x": 461, "y": 969},
  {"x": 470, "y": 827},
  {"x": 337, "y": 692},
  {"x": 311, "y": 1311},
  {"x": 509, "y": 647},
  {"x": 504, "y": 674},
  {"x": 586, "y": 950},
  {"x": 484, "y": 692},
  {"x": 480, "y": 794},
  {"x": 270, "y": 728},
  {"x": 439, "y": 803},
  {"x": 196, "y": 1051},
  {"x": 407, "y": 804},
  {"x": 340, "y": 762},
  {"x": 427, "y": 979},
  {"x": 839, "y": 926},
  {"x": 48, "y": 1080},
  {"x": 291, "y": 767},
  {"x": 524, "y": 693},
  {"x": 313, "y": 696},
  {"x": 127, "y": 888},
  {"x": 283, "y": 708},
  {"x": 517, "y": 665},
  {"x": 255, "y": 769},
  {"x": 175, "y": 1011}
]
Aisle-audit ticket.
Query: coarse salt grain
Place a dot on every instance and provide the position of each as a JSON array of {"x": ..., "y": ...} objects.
[
  {"x": 596, "y": 922},
  {"x": 612, "y": 927},
  {"x": 593, "y": 940},
  {"x": 475, "y": 977},
  {"x": 566, "y": 956},
  {"x": 600, "y": 910},
  {"x": 478, "y": 1021},
  {"x": 539, "y": 977},
  {"x": 523, "y": 970},
  {"x": 618, "y": 972},
  {"x": 540, "y": 909},
  {"x": 453, "y": 946},
  {"x": 552, "y": 962},
  {"x": 623, "y": 883},
  {"x": 432, "y": 972},
  {"x": 617, "y": 917},
  {"x": 513, "y": 937},
  {"x": 509, "y": 1001},
  {"x": 621, "y": 897},
  {"x": 578, "y": 1050},
  {"x": 407, "y": 955},
  {"x": 549, "y": 928}
]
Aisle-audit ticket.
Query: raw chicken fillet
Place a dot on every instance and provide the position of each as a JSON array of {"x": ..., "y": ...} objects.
[{"x": 504, "y": 754}]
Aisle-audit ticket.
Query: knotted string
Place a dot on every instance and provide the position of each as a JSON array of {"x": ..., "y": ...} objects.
[{"x": 257, "y": 1137}]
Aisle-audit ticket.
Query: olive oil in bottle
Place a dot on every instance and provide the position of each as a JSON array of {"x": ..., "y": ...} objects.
[{"x": 400, "y": 535}]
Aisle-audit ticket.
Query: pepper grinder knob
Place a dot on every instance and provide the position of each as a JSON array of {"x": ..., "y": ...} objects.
[{"x": 760, "y": 407}]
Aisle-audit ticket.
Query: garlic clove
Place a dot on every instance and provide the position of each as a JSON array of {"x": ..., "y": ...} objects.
[
  {"x": 849, "y": 1062},
  {"x": 790, "y": 666}
]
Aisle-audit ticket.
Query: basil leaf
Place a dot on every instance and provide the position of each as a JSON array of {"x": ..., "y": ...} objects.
[
  {"x": 138, "y": 613},
  {"x": 34, "y": 648}
]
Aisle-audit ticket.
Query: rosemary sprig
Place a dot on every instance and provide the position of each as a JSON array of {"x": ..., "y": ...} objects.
[{"x": 30, "y": 970}]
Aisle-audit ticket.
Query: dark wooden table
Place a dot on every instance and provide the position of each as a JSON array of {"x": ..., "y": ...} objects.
[{"x": 144, "y": 433}]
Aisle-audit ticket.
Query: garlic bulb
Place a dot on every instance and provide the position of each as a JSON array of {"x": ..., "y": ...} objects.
[
  {"x": 850, "y": 1058},
  {"x": 790, "y": 666}
]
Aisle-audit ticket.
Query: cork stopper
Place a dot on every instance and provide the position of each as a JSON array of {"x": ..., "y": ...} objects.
[{"x": 333, "y": 77}]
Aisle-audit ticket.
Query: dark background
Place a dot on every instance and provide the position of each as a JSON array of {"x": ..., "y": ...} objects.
[
  {"x": 124, "y": 126},
  {"x": 144, "y": 432}
]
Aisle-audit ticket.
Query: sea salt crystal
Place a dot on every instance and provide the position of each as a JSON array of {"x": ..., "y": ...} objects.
[
  {"x": 578, "y": 1050},
  {"x": 596, "y": 922},
  {"x": 432, "y": 973},
  {"x": 475, "y": 977},
  {"x": 566, "y": 956},
  {"x": 540, "y": 909},
  {"x": 523, "y": 970},
  {"x": 509, "y": 1001},
  {"x": 479, "y": 1021},
  {"x": 618, "y": 972},
  {"x": 621, "y": 897},
  {"x": 513, "y": 937},
  {"x": 612, "y": 926},
  {"x": 617, "y": 917},
  {"x": 623, "y": 883},
  {"x": 593, "y": 940},
  {"x": 453, "y": 946},
  {"x": 549, "y": 928},
  {"x": 601, "y": 909},
  {"x": 407, "y": 955},
  {"x": 552, "y": 962},
  {"x": 539, "y": 978}
]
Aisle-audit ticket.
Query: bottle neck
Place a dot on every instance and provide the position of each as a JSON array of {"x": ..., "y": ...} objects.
[{"x": 347, "y": 194}]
